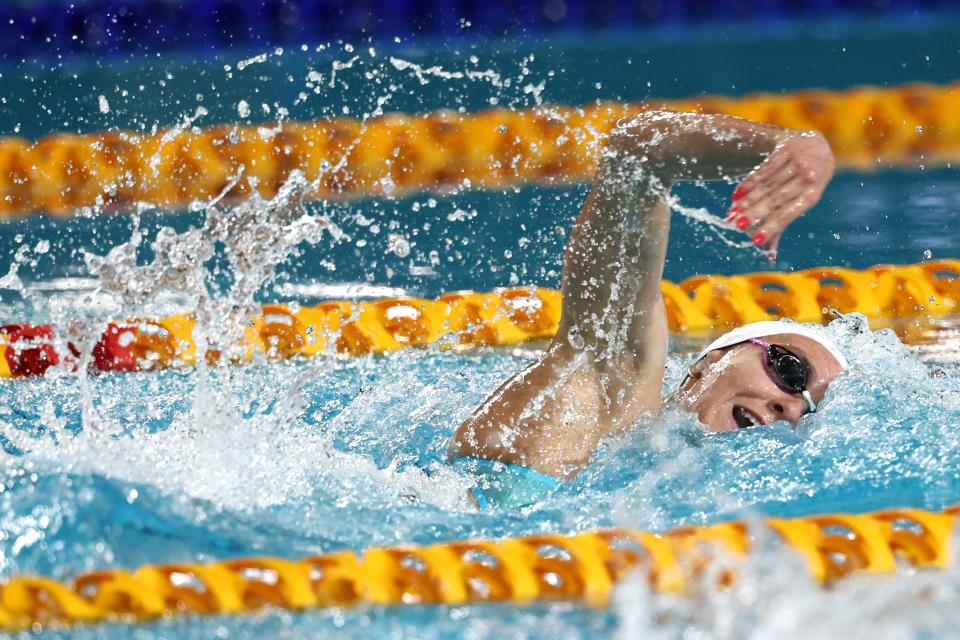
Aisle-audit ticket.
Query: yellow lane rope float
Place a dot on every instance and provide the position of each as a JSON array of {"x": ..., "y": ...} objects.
[
  {"x": 583, "y": 567},
  {"x": 464, "y": 319},
  {"x": 867, "y": 127}
]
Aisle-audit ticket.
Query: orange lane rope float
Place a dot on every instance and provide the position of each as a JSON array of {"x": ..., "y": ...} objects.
[
  {"x": 867, "y": 127},
  {"x": 583, "y": 567},
  {"x": 463, "y": 319}
]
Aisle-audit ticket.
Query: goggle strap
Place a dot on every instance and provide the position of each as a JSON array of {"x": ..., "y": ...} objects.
[{"x": 806, "y": 396}]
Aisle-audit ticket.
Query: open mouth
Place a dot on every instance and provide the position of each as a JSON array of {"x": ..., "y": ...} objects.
[{"x": 745, "y": 418}]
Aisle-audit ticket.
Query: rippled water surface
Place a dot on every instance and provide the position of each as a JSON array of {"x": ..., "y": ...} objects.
[{"x": 304, "y": 458}]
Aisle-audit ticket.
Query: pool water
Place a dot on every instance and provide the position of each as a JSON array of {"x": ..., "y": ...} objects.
[
  {"x": 305, "y": 457},
  {"x": 172, "y": 469}
]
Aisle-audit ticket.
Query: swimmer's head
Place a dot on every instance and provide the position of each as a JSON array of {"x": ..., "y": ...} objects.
[{"x": 760, "y": 373}]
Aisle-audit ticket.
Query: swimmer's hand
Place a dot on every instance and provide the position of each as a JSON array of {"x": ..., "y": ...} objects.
[{"x": 783, "y": 188}]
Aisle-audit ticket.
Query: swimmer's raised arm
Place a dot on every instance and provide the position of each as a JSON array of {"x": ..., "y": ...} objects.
[
  {"x": 614, "y": 258},
  {"x": 693, "y": 146},
  {"x": 604, "y": 368}
]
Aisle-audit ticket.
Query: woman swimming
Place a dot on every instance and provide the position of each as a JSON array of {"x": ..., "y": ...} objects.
[{"x": 604, "y": 368}]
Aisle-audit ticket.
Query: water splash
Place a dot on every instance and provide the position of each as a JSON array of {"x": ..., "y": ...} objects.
[
  {"x": 773, "y": 596},
  {"x": 299, "y": 458}
]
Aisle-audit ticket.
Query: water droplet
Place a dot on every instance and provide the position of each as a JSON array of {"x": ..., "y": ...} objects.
[
  {"x": 398, "y": 245},
  {"x": 575, "y": 339}
]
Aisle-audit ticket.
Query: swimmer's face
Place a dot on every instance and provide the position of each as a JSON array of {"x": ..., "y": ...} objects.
[{"x": 730, "y": 388}]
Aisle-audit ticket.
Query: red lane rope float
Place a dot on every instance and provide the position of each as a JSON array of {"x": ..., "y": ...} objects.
[
  {"x": 464, "y": 319},
  {"x": 867, "y": 127},
  {"x": 582, "y": 567}
]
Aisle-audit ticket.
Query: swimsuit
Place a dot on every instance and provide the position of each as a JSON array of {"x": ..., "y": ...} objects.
[{"x": 501, "y": 484}]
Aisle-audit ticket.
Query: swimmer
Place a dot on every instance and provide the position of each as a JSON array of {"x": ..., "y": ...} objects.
[{"x": 604, "y": 369}]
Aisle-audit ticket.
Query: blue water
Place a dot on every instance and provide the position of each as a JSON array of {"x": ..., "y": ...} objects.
[
  {"x": 299, "y": 458},
  {"x": 893, "y": 217},
  {"x": 152, "y": 483}
]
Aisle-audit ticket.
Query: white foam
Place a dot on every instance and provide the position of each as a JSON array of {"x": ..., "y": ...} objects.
[
  {"x": 337, "y": 291},
  {"x": 216, "y": 454}
]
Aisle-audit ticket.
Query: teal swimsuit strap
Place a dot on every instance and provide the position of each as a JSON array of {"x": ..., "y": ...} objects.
[
  {"x": 525, "y": 472},
  {"x": 506, "y": 485}
]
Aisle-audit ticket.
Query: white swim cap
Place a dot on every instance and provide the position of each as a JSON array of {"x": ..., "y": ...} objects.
[{"x": 775, "y": 327}]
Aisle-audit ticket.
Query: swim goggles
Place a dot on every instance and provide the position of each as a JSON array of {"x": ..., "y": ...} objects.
[{"x": 786, "y": 369}]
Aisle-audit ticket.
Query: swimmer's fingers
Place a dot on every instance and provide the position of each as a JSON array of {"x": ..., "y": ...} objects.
[
  {"x": 765, "y": 172},
  {"x": 769, "y": 210},
  {"x": 759, "y": 184},
  {"x": 791, "y": 190},
  {"x": 791, "y": 187},
  {"x": 792, "y": 175},
  {"x": 766, "y": 234},
  {"x": 770, "y": 246},
  {"x": 773, "y": 248}
]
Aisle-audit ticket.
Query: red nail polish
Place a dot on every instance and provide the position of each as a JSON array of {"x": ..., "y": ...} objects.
[
  {"x": 738, "y": 193},
  {"x": 736, "y": 209},
  {"x": 759, "y": 238},
  {"x": 743, "y": 222}
]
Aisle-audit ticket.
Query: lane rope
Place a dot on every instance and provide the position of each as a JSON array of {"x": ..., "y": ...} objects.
[
  {"x": 582, "y": 567},
  {"x": 868, "y": 127},
  {"x": 468, "y": 319}
]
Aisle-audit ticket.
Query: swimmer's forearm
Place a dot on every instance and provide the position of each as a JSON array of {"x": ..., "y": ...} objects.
[
  {"x": 613, "y": 265},
  {"x": 694, "y": 146}
]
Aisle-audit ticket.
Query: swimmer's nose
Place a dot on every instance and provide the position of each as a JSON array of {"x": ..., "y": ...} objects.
[{"x": 788, "y": 408}]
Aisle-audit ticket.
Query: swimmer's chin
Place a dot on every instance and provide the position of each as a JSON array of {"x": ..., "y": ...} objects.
[{"x": 728, "y": 419}]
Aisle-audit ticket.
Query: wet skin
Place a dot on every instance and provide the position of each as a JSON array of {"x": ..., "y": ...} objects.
[
  {"x": 732, "y": 381},
  {"x": 604, "y": 369}
]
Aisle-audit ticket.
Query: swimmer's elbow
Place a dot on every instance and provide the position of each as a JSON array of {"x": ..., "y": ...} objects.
[{"x": 642, "y": 137}]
